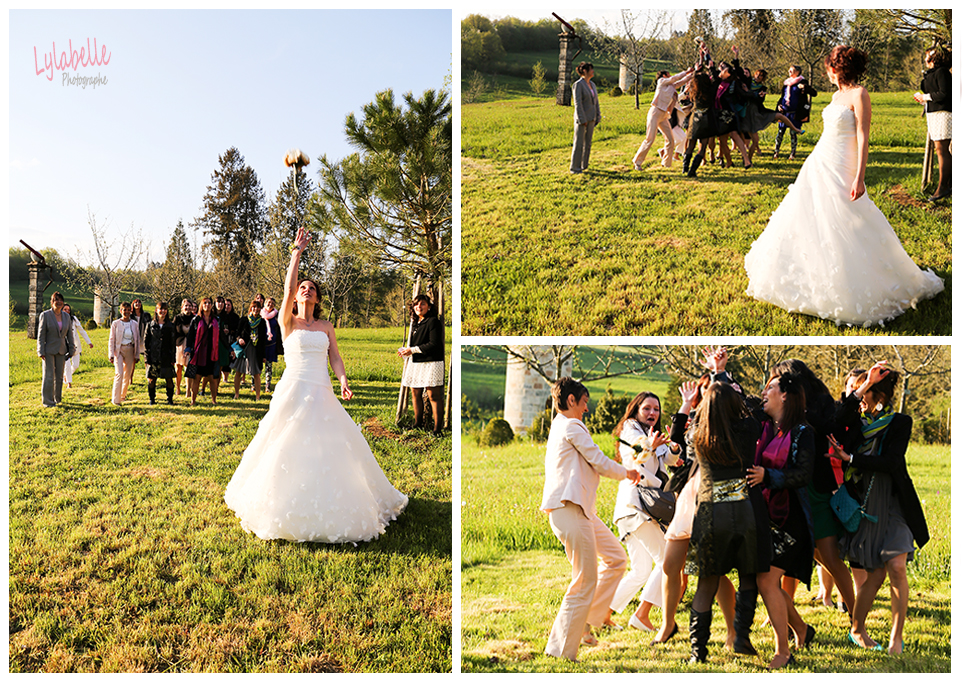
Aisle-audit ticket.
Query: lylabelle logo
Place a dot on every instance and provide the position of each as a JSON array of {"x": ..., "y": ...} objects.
[{"x": 72, "y": 60}]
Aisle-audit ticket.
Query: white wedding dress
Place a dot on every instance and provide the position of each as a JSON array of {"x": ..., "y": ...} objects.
[
  {"x": 825, "y": 255},
  {"x": 309, "y": 474}
]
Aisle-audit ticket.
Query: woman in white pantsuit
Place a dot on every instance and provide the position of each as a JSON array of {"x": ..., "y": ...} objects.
[
  {"x": 573, "y": 466},
  {"x": 123, "y": 349},
  {"x": 643, "y": 447},
  {"x": 73, "y": 363}
]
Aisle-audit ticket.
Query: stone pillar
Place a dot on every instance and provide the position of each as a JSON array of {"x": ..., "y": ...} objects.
[
  {"x": 623, "y": 75},
  {"x": 566, "y": 68},
  {"x": 526, "y": 394},
  {"x": 35, "y": 299},
  {"x": 102, "y": 308}
]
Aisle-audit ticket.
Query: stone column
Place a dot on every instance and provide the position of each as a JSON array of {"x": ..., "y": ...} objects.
[
  {"x": 35, "y": 300},
  {"x": 526, "y": 394},
  {"x": 102, "y": 308},
  {"x": 565, "y": 69}
]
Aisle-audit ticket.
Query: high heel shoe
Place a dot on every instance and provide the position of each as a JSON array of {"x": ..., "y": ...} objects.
[{"x": 674, "y": 631}]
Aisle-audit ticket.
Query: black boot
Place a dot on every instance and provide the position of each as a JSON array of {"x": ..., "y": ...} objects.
[
  {"x": 687, "y": 162},
  {"x": 695, "y": 163},
  {"x": 699, "y": 630},
  {"x": 170, "y": 392},
  {"x": 745, "y": 602},
  {"x": 152, "y": 393}
]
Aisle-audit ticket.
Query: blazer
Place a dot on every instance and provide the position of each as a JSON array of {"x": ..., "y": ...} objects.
[
  {"x": 117, "y": 336},
  {"x": 586, "y": 102},
  {"x": 891, "y": 460},
  {"x": 937, "y": 86},
  {"x": 666, "y": 87},
  {"x": 50, "y": 339},
  {"x": 428, "y": 337},
  {"x": 573, "y": 464},
  {"x": 159, "y": 343}
]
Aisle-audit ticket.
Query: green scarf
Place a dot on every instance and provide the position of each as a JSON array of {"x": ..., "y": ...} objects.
[
  {"x": 253, "y": 321},
  {"x": 873, "y": 432}
]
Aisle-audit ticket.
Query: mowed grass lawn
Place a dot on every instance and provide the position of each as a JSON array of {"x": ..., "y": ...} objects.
[
  {"x": 619, "y": 252},
  {"x": 514, "y": 574},
  {"x": 124, "y": 557}
]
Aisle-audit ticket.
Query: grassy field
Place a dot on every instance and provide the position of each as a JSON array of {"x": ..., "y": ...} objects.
[
  {"x": 124, "y": 557},
  {"x": 615, "y": 251},
  {"x": 514, "y": 574}
]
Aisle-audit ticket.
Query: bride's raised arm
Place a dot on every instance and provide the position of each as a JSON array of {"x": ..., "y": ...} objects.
[{"x": 286, "y": 318}]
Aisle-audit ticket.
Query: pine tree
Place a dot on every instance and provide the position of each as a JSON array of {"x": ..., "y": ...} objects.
[
  {"x": 233, "y": 211},
  {"x": 176, "y": 277},
  {"x": 392, "y": 198}
]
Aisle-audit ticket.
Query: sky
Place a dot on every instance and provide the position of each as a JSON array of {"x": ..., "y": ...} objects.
[{"x": 171, "y": 91}]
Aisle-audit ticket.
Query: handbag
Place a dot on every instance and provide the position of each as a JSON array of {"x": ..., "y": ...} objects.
[
  {"x": 658, "y": 504},
  {"x": 848, "y": 510},
  {"x": 191, "y": 370}
]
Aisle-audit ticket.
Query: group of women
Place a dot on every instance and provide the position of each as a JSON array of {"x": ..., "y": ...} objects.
[
  {"x": 754, "y": 480},
  {"x": 206, "y": 342}
]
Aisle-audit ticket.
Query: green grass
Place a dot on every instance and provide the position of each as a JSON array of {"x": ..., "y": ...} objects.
[
  {"x": 514, "y": 574},
  {"x": 124, "y": 557},
  {"x": 614, "y": 251}
]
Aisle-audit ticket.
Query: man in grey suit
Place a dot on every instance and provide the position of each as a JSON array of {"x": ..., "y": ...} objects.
[
  {"x": 587, "y": 116},
  {"x": 54, "y": 346}
]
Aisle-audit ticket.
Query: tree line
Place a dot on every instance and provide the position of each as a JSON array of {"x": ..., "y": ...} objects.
[
  {"x": 768, "y": 39},
  {"x": 381, "y": 221}
]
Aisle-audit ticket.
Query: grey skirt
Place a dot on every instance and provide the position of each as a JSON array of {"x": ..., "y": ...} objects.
[{"x": 876, "y": 543}]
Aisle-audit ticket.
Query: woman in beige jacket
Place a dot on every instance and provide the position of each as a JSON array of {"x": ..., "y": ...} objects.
[{"x": 573, "y": 466}]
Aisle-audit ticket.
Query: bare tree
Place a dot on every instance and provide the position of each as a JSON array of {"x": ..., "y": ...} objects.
[
  {"x": 630, "y": 40},
  {"x": 932, "y": 25},
  {"x": 112, "y": 265},
  {"x": 806, "y": 36}
]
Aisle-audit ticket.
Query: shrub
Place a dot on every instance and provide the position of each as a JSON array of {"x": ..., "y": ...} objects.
[
  {"x": 615, "y": 92},
  {"x": 497, "y": 432},
  {"x": 608, "y": 413},
  {"x": 91, "y": 325},
  {"x": 541, "y": 426}
]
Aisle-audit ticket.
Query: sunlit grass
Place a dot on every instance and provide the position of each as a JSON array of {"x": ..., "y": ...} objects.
[{"x": 124, "y": 557}]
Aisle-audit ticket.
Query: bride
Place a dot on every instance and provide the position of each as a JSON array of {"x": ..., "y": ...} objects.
[
  {"x": 308, "y": 474},
  {"x": 828, "y": 250}
]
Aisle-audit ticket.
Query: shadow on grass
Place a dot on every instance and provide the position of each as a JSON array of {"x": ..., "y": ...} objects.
[{"x": 422, "y": 529}]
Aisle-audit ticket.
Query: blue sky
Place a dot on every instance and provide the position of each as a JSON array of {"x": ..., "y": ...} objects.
[{"x": 181, "y": 88}]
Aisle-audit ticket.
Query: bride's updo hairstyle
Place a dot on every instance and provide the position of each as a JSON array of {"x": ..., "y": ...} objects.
[{"x": 848, "y": 62}]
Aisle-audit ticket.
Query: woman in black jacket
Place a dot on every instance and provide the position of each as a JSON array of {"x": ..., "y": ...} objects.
[
  {"x": 251, "y": 337},
  {"x": 878, "y": 476},
  {"x": 936, "y": 94},
  {"x": 160, "y": 352},
  {"x": 424, "y": 361}
]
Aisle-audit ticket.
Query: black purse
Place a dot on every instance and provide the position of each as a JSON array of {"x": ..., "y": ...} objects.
[{"x": 659, "y": 504}]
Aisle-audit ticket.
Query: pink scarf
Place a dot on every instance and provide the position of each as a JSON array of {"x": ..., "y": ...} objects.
[
  {"x": 772, "y": 453},
  {"x": 213, "y": 354}
]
